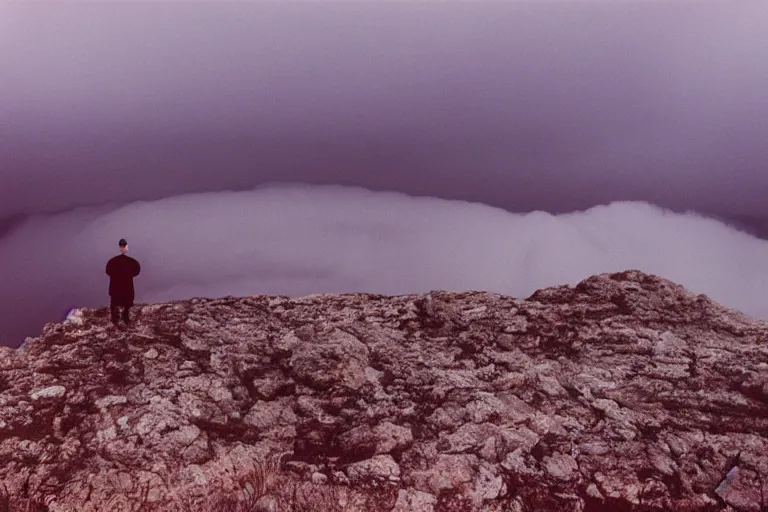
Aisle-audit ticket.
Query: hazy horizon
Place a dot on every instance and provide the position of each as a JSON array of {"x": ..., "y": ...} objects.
[
  {"x": 111, "y": 110},
  {"x": 300, "y": 240}
]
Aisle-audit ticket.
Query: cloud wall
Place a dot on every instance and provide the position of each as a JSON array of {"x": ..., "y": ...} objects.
[{"x": 296, "y": 240}]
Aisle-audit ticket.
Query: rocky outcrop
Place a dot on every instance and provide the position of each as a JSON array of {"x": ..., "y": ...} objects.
[{"x": 624, "y": 392}]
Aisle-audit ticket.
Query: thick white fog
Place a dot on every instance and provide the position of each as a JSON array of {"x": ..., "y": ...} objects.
[{"x": 295, "y": 240}]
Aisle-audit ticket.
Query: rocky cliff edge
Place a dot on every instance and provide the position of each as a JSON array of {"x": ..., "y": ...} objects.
[{"x": 624, "y": 392}]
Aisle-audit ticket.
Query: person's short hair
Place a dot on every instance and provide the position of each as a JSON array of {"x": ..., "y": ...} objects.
[{"x": 122, "y": 242}]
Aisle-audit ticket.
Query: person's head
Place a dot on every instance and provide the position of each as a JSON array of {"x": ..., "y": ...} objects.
[{"x": 123, "y": 245}]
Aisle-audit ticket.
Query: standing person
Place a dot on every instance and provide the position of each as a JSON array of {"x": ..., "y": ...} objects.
[{"x": 121, "y": 271}]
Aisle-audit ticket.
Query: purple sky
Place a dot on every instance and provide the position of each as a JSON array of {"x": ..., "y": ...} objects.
[
  {"x": 548, "y": 105},
  {"x": 111, "y": 114}
]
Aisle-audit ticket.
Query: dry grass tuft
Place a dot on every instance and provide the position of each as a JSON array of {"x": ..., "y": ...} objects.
[{"x": 9, "y": 503}]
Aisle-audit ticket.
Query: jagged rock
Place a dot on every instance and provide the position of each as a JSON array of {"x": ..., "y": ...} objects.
[
  {"x": 623, "y": 390},
  {"x": 411, "y": 500}
]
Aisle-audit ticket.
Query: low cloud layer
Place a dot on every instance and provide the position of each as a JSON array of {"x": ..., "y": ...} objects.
[{"x": 295, "y": 240}]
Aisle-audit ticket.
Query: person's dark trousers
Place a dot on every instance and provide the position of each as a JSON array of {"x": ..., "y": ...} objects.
[{"x": 114, "y": 308}]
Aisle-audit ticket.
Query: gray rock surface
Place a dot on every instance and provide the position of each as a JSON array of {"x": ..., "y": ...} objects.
[{"x": 624, "y": 390}]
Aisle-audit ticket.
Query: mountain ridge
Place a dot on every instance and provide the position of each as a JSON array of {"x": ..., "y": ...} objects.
[{"x": 623, "y": 391}]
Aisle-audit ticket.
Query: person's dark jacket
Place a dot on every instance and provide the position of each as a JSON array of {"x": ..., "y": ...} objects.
[{"x": 121, "y": 271}]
